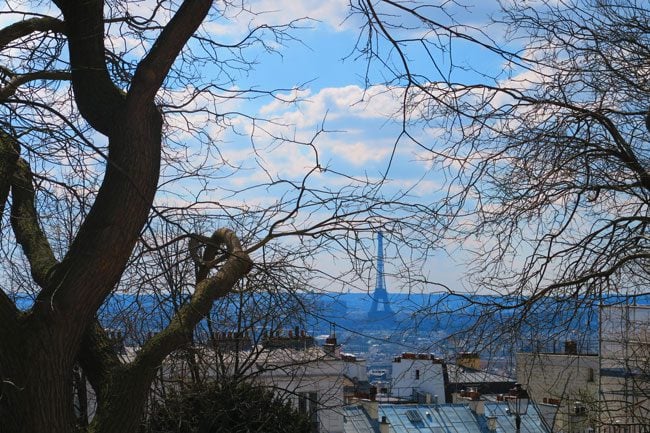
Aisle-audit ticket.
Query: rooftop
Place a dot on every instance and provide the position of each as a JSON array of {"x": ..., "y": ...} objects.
[
  {"x": 440, "y": 418},
  {"x": 530, "y": 423},
  {"x": 461, "y": 374}
]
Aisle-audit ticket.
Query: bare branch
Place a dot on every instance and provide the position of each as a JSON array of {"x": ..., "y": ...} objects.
[
  {"x": 18, "y": 80},
  {"x": 154, "y": 67}
]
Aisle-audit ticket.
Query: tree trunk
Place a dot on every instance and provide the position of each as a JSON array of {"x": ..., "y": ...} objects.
[
  {"x": 40, "y": 348},
  {"x": 37, "y": 385}
]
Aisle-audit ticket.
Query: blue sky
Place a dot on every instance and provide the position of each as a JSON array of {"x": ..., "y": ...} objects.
[{"x": 361, "y": 119}]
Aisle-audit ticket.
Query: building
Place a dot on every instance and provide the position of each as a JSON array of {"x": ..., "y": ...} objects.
[
  {"x": 625, "y": 369},
  {"x": 313, "y": 380},
  {"x": 317, "y": 380},
  {"x": 418, "y": 377},
  {"x": 466, "y": 373},
  {"x": 566, "y": 383}
]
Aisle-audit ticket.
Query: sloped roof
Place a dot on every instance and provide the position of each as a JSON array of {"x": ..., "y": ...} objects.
[
  {"x": 356, "y": 420},
  {"x": 460, "y": 374},
  {"x": 442, "y": 418},
  {"x": 531, "y": 422}
]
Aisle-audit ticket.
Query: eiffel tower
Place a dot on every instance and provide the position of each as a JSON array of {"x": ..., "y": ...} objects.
[{"x": 380, "y": 308}]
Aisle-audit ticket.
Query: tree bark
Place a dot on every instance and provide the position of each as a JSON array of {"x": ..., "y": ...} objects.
[{"x": 37, "y": 387}]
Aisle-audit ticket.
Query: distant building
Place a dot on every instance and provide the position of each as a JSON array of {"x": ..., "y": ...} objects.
[{"x": 424, "y": 378}]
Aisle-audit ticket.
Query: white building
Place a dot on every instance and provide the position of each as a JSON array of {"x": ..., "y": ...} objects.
[
  {"x": 565, "y": 385},
  {"x": 416, "y": 374},
  {"x": 312, "y": 378},
  {"x": 625, "y": 368}
]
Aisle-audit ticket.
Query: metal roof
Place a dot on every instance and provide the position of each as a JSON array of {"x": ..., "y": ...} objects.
[
  {"x": 530, "y": 423},
  {"x": 356, "y": 420},
  {"x": 460, "y": 374},
  {"x": 441, "y": 418}
]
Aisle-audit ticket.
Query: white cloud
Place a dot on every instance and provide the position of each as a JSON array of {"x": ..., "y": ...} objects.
[
  {"x": 379, "y": 102},
  {"x": 331, "y": 12},
  {"x": 232, "y": 22}
]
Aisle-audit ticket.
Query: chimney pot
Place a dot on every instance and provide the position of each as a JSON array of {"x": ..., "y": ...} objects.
[
  {"x": 384, "y": 425},
  {"x": 492, "y": 423},
  {"x": 570, "y": 348}
]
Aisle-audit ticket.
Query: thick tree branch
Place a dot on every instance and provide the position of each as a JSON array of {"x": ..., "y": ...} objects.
[
  {"x": 9, "y": 152},
  {"x": 135, "y": 378},
  {"x": 237, "y": 265},
  {"x": 97, "y": 97},
  {"x": 26, "y": 226},
  {"x": 8, "y": 313},
  {"x": 153, "y": 69},
  {"x": 18, "y": 80},
  {"x": 27, "y": 27},
  {"x": 98, "y": 357}
]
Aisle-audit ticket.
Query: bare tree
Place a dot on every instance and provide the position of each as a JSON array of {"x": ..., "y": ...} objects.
[
  {"x": 544, "y": 151},
  {"x": 545, "y": 158},
  {"x": 108, "y": 108}
]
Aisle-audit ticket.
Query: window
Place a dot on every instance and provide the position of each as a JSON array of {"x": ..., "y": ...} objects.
[
  {"x": 308, "y": 405},
  {"x": 417, "y": 374},
  {"x": 302, "y": 402}
]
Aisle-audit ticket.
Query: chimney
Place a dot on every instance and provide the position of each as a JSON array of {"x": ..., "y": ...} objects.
[
  {"x": 469, "y": 360},
  {"x": 570, "y": 347},
  {"x": 384, "y": 425},
  {"x": 492, "y": 423},
  {"x": 371, "y": 407},
  {"x": 331, "y": 346}
]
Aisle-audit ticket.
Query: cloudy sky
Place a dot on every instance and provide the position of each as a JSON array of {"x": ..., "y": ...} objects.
[
  {"x": 336, "y": 92},
  {"x": 329, "y": 107},
  {"x": 340, "y": 104}
]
